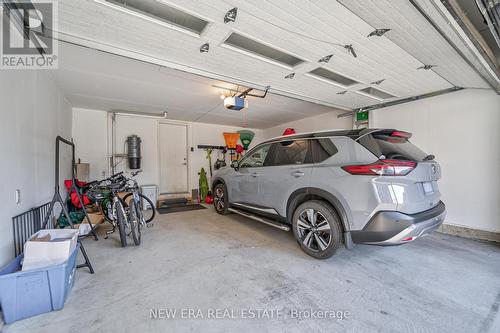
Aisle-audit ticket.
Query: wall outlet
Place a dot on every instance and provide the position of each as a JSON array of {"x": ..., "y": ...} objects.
[{"x": 18, "y": 196}]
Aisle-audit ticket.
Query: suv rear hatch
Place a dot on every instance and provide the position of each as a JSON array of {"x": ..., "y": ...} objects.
[{"x": 416, "y": 190}]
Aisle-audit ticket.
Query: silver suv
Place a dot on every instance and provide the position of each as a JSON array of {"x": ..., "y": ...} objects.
[{"x": 370, "y": 186}]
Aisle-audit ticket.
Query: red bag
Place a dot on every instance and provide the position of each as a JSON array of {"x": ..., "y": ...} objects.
[{"x": 73, "y": 196}]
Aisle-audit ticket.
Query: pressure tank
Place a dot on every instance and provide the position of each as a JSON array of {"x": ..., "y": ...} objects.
[{"x": 134, "y": 152}]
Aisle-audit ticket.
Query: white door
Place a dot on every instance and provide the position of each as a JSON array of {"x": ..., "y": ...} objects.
[{"x": 173, "y": 158}]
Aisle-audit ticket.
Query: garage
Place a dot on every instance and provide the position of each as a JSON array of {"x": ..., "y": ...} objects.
[{"x": 275, "y": 166}]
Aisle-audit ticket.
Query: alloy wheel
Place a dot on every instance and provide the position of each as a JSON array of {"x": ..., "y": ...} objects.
[
  {"x": 219, "y": 199},
  {"x": 314, "y": 230}
]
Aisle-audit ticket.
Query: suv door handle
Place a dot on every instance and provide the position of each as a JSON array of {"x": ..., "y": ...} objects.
[
  {"x": 298, "y": 174},
  {"x": 254, "y": 175}
]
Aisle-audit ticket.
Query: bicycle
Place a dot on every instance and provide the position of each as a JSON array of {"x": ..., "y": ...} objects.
[
  {"x": 137, "y": 219},
  {"x": 107, "y": 194},
  {"x": 133, "y": 204}
]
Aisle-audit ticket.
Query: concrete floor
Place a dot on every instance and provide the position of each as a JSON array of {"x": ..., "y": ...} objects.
[{"x": 199, "y": 260}]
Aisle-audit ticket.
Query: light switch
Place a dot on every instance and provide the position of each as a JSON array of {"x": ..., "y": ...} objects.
[{"x": 18, "y": 196}]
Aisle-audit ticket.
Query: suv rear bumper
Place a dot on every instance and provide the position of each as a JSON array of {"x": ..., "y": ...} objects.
[{"x": 393, "y": 228}]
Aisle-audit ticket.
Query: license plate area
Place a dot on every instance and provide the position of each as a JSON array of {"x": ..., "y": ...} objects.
[{"x": 428, "y": 189}]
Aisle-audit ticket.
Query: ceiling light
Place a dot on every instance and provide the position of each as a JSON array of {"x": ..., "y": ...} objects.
[
  {"x": 378, "y": 32},
  {"x": 326, "y": 75},
  {"x": 231, "y": 15},
  {"x": 251, "y": 47},
  {"x": 161, "y": 13},
  {"x": 375, "y": 93},
  {"x": 290, "y": 76},
  {"x": 426, "y": 67},
  {"x": 326, "y": 59},
  {"x": 204, "y": 48}
]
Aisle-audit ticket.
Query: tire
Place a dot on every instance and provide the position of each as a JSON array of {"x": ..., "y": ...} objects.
[
  {"x": 221, "y": 200},
  {"x": 121, "y": 221},
  {"x": 134, "y": 223},
  {"x": 153, "y": 209},
  {"x": 317, "y": 228}
]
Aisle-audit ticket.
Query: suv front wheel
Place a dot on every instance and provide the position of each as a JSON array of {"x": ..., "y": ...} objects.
[
  {"x": 316, "y": 227},
  {"x": 221, "y": 201}
]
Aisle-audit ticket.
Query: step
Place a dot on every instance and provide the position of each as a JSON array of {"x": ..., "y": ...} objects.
[
  {"x": 272, "y": 223},
  {"x": 173, "y": 202}
]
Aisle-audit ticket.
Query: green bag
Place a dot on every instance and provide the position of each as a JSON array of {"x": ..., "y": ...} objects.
[
  {"x": 203, "y": 184},
  {"x": 76, "y": 217}
]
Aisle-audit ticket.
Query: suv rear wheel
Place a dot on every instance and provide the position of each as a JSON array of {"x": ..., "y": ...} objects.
[{"x": 316, "y": 227}]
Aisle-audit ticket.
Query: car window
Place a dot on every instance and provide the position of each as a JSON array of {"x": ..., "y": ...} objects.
[
  {"x": 289, "y": 153},
  {"x": 256, "y": 158},
  {"x": 322, "y": 149},
  {"x": 393, "y": 148}
]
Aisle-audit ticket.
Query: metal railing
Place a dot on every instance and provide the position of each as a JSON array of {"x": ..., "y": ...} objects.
[{"x": 26, "y": 224}]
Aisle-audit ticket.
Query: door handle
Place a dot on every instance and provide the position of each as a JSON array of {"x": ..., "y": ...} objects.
[
  {"x": 298, "y": 174},
  {"x": 184, "y": 163},
  {"x": 254, "y": 175}
]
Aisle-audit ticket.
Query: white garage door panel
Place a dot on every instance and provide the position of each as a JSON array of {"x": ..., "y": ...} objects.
[{"x": 412, "y": 32}]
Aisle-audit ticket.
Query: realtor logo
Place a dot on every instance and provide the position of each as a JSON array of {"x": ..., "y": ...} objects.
[{"x": 29, "y": 35}]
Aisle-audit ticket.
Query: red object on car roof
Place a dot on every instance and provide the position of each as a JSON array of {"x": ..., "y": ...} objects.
[{"x": 289, "y": 131}]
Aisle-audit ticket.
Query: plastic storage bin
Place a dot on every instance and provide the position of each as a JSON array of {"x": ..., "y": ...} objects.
[
  {"x": 25, "y": 294},
  {"x": 150, "y": 191}
]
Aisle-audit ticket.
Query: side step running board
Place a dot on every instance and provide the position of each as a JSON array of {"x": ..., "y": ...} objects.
[{"x": 269, "y": 222}]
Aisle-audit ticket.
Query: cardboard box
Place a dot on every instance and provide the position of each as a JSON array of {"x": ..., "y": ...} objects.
[
  {"x": 95, "y": 218},
  {"x": 84, "y": 227},
  {"x": 49, "y": 247},
  {"x": 92, "y": 209},
  {"x": 83, "y": 172}
]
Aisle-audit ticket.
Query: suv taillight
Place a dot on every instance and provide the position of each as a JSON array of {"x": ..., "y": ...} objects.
[{"x": 382, "y": 168}]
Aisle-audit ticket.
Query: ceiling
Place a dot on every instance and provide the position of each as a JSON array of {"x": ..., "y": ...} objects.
[
  {"x": 304, "y": 29},
  {"x": 94, "y": 79}
]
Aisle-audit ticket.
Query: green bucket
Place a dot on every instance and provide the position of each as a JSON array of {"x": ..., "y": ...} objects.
[{"x": 246, "y": 137}]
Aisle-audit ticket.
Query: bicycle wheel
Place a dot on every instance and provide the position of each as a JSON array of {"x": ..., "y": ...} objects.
[
  {"x": 134, "y": 221},
  {"x": 149, "y": 214},
  {"x": 121, "y": 222},
  {"x": 140, "y": 224}
]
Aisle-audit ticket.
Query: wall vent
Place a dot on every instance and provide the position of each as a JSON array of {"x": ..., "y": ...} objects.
[
  {"x": 160, "y": 12},
  {"x": 253, "y": 47},
  {"x": 376, "y": 93},
  {"x": 325, "y": 74}
]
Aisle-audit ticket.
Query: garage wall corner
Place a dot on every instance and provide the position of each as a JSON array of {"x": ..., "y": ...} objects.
[
  {"x": 461, "y": 130},
  {"x": 34, "y": 111}
]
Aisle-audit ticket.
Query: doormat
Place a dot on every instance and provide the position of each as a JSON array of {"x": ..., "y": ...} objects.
[{"x": 180, "y": 208}]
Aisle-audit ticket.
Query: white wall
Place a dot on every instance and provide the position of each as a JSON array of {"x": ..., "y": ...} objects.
[
  {"x": 95, "y": 150},
  {"x": 462, "y": 130},
  {"x": 324, "y": 121},
  {"x": 33, "y": 113},
  {"x": 90, "y": 132}
]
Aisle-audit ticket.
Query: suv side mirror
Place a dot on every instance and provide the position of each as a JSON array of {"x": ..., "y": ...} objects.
[{"x": 234, "y": 165}]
